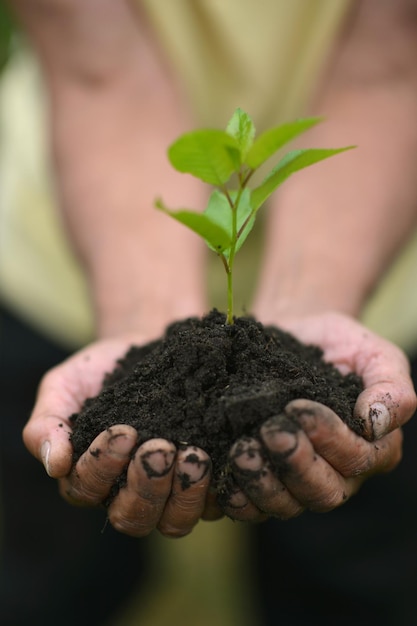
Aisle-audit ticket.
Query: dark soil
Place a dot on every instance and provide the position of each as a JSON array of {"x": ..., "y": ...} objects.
[{"x": 206, "y": 384}]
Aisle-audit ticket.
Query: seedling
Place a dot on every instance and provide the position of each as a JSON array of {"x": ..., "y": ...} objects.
[{"x": 227, "y": 160}]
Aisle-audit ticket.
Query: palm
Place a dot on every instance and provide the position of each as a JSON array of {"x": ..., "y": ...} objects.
[{"x": 388, "y": 399}]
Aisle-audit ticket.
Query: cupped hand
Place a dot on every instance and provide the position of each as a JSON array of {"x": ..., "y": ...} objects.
[
  {"x": 306, "y": 457},
  {"x": 166, "y": 488}
]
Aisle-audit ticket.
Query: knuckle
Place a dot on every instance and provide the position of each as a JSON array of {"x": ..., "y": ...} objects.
[
  {"x": 78, "y": 496},
  {"x": 129, "y": 526},
  {"x": 288, "y": 512},
  {"x": 329, "y": 501},
  {"x": 87, "y": 489},
  {"x": 174, "y": 532},
  {"x": 97, "y": 480},
  {"x": 153, "y": 500},
  {"x": 356, "y": 466}
]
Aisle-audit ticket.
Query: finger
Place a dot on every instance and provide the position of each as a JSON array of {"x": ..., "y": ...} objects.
[
  {"x": 212, "y": 510},
  {"x": 97, "y": 470},
  {"x": 255, "y": 477},
  {"x": 308, "y": 477},
  {"x": 239, "y": 507},
  {"x": 47, "y": 433},
  {"x": 61, "y": 393},
  {"x": 190, "y": 483},
  {"x": 333, "y": 440},
  {"x": 388, "y": 400},
  {"x": 138, "y": 506}
]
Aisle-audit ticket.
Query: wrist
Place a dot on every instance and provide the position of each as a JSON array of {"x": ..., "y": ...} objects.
[
  {"x": 285, "y": 298},
  {"x": 141, "y": 284},
  {"x": 147, "y": 316}
]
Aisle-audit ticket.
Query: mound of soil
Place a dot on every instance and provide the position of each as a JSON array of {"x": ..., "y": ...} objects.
[{"x": 206, "y": 383}]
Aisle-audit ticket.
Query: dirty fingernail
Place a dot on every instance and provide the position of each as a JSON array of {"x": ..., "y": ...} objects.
[
  {"x": 279, "y": 441},
  {"x": 248, "y": 457},
  {"x": 158, "y": 463},
  {"x": 192, "y": 469},
  {"x": 121, "y": 444},
  {"x": 45, "y": 453},
  {"x": 380, "y": 419},
  {"x": 238, "y": 500}
]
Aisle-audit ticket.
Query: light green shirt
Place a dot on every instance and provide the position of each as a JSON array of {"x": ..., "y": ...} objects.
[{"x": 226, "y": 54}]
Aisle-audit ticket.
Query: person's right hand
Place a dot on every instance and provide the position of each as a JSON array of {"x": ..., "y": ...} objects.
[
  {"x": 306, "y": 457},
  {"x": 166, "y": 488}
]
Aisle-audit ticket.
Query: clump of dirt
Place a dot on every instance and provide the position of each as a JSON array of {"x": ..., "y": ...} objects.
[{"x": 206, "y": 383}]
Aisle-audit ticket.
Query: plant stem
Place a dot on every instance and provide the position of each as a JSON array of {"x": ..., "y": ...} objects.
[
  {"x": 230, "y": 295},
  {"x": 229, "y": 263},
  {"x": 229, "y": 318},
  {"x": 229, "y": 274}
]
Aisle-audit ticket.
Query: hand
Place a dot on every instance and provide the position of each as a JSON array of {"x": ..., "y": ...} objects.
[
  {"x": 166, "y": 488},
  {"x": 307, "y": 458}
]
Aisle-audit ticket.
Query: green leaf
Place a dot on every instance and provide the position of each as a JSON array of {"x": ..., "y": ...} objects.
[
  {"x": 272, "y": 140},
  {"x": 216, "y": 237},
  {"x": 290, "y": 163},
  {"x": 211, "y": 155},
  {"x": 242, "y": 129},
  {"x": 245, "y": 221},
  {"x": 219, "y": 212}
]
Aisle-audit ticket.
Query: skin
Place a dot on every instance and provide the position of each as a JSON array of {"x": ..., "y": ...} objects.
[
  {"x": 105, "y": 108},
  {"x": 324, "y": 463}
]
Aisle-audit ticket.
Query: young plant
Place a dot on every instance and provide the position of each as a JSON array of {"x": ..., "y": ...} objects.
[{"x": 227, "y": 160}]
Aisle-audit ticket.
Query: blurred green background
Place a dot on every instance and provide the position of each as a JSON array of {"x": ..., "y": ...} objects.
[{"x": 6, "y": 32}]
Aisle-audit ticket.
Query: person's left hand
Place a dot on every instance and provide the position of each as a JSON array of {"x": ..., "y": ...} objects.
[
  {"x": 306, "y": 457},
  {"x": 166, "y": 488}
]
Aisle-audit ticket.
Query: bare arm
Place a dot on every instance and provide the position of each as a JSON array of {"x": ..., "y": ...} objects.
[
  {"x": 114, "y": 110},
  {"x": 335, "y": 228},
  {"x": 332, "y": 232}
]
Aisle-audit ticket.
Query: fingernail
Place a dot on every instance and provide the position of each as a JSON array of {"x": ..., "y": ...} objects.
[
  {"x": 238, "y": 500},
  {"x": 45, "y": 452},
  {"x": 279, "y": 441},
  {"x": 380, "y": 419},
  {"x": 120, "y": 444},
  {"x": 157, "y": 463},
  {"x": 248, "y": 458},
  {"x": 193, "y": 468}
]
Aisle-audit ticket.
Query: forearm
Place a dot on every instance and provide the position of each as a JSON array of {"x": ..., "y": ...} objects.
[
  {"x": 143, "y": 269},
  {"x": 114, "y": 110},
  {"x": 334, "y": 228}
]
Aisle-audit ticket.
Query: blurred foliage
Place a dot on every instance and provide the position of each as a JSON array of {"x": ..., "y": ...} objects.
[{"x": 7, "y": 29}]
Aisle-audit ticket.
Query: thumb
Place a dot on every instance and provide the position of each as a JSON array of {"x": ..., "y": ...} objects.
[{"x": 47, "y": 433}]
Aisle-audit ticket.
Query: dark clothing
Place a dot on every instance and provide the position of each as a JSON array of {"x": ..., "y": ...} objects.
[
  {"x": 354, "y": 566},
  {"x": 59, "y": 565}
]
